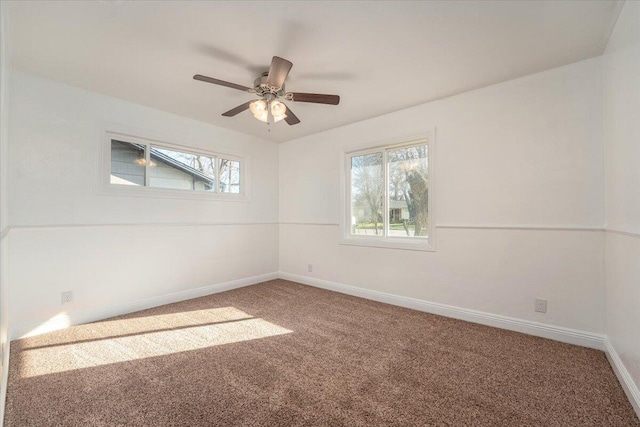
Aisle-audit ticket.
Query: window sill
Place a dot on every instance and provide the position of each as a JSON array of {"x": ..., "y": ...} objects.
[{"x": 403, "y": 244}]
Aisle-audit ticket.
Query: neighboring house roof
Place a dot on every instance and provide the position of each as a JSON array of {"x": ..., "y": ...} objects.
[
  {"x": 398, "y": 204},
  {"x": 156, "y": 154}
]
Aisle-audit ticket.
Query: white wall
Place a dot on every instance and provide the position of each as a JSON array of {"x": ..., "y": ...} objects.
[
  {"x": 525, "y": 153},
  {"x": 622, "y": 142},
  {"x": 110, "y": 250}
]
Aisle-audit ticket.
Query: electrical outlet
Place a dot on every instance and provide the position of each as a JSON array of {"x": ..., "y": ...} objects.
[
  {"x": 310, "y": 268},
  {"x": 541, "y": 305},
  {"x": 67, "y": 297}
]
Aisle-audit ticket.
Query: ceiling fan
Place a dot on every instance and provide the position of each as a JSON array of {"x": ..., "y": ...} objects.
[{"x": 270, "y": 88}]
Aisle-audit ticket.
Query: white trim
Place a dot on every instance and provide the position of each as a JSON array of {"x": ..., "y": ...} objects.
[
  {"x": 308, "y": 223},
  {"x": 6, "y": 230},
  {"x": 521, "y": 227},
  {"x": 159, "y": 224},
  {"x": 627, "y": 383},
  {"x": 622, "y": 232},
  {"x": 390, "y": 243},
  {"x": 558, "y": 333},
  {"x": 22, "y": 330},
  {"x": 487, "y": 227}
]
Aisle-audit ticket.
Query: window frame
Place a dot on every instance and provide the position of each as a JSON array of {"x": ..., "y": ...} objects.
[
  {"x": 385, "y": 241},
  {"x": 147, "y": 191}
]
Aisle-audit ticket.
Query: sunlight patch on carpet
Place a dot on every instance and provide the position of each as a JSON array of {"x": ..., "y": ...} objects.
[
  {"x": 144, "y": 343},
  {"x": 134, "y": 325}
]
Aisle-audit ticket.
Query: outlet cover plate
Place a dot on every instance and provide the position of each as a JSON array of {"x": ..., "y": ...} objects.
[
  {"x": 541, "y": 305},
  {"x": 66, "y": 297}
]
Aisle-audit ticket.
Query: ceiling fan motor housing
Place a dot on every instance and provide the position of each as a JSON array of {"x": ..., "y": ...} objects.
[{"x": 262, "y": 88}]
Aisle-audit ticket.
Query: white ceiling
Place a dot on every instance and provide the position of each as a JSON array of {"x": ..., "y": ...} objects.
[{"x": 378, "y": 56}]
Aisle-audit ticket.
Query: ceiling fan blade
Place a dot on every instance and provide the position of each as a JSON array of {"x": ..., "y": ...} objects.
[
  {"x": 237, "y": 110},
  {"x": 220, "y": 82},
  {"x": 291, "y": 118},
  {"x": 316, "y": 98},
  {"x": 278, "y": 72}
]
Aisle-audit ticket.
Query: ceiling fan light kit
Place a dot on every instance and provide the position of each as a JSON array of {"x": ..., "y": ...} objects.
[
  {"x": 269, "y": 87},
  {"x": 261, "y": 109}
]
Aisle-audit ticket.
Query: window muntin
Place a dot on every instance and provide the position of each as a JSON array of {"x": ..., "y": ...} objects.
[
  {"x": 155, "y": 168},
  {"x": 393, "y": 180}
]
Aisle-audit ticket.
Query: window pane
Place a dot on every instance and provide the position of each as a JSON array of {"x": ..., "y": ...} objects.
[
  {"x": 408, "y": 192},
  {"x": 229, "y": 176},
  {"x": 367, "y": 182},
  {"x": 127, "y": 163},
  {"x": 182, "y": 171}
]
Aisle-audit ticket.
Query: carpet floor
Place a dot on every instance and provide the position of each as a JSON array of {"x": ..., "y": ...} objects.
[{"x": 284, "y": 354}]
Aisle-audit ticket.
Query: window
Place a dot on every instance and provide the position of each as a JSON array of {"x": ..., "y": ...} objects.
[
  {"x": 163, "y": 169},
  {"x": 388, "y": 201}
]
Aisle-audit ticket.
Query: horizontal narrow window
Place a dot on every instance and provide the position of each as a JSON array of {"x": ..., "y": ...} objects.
[{"x": 163, "y": 169}]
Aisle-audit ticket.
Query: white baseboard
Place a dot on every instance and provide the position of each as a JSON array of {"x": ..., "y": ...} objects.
[
  {"x": 628, "y": 385},
  {"x": 36, "y": 328},
  {"x": 558, "y": 333}
]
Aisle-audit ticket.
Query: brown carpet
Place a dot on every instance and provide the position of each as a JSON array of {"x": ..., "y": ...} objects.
[{"x": 284, "y": 354}]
